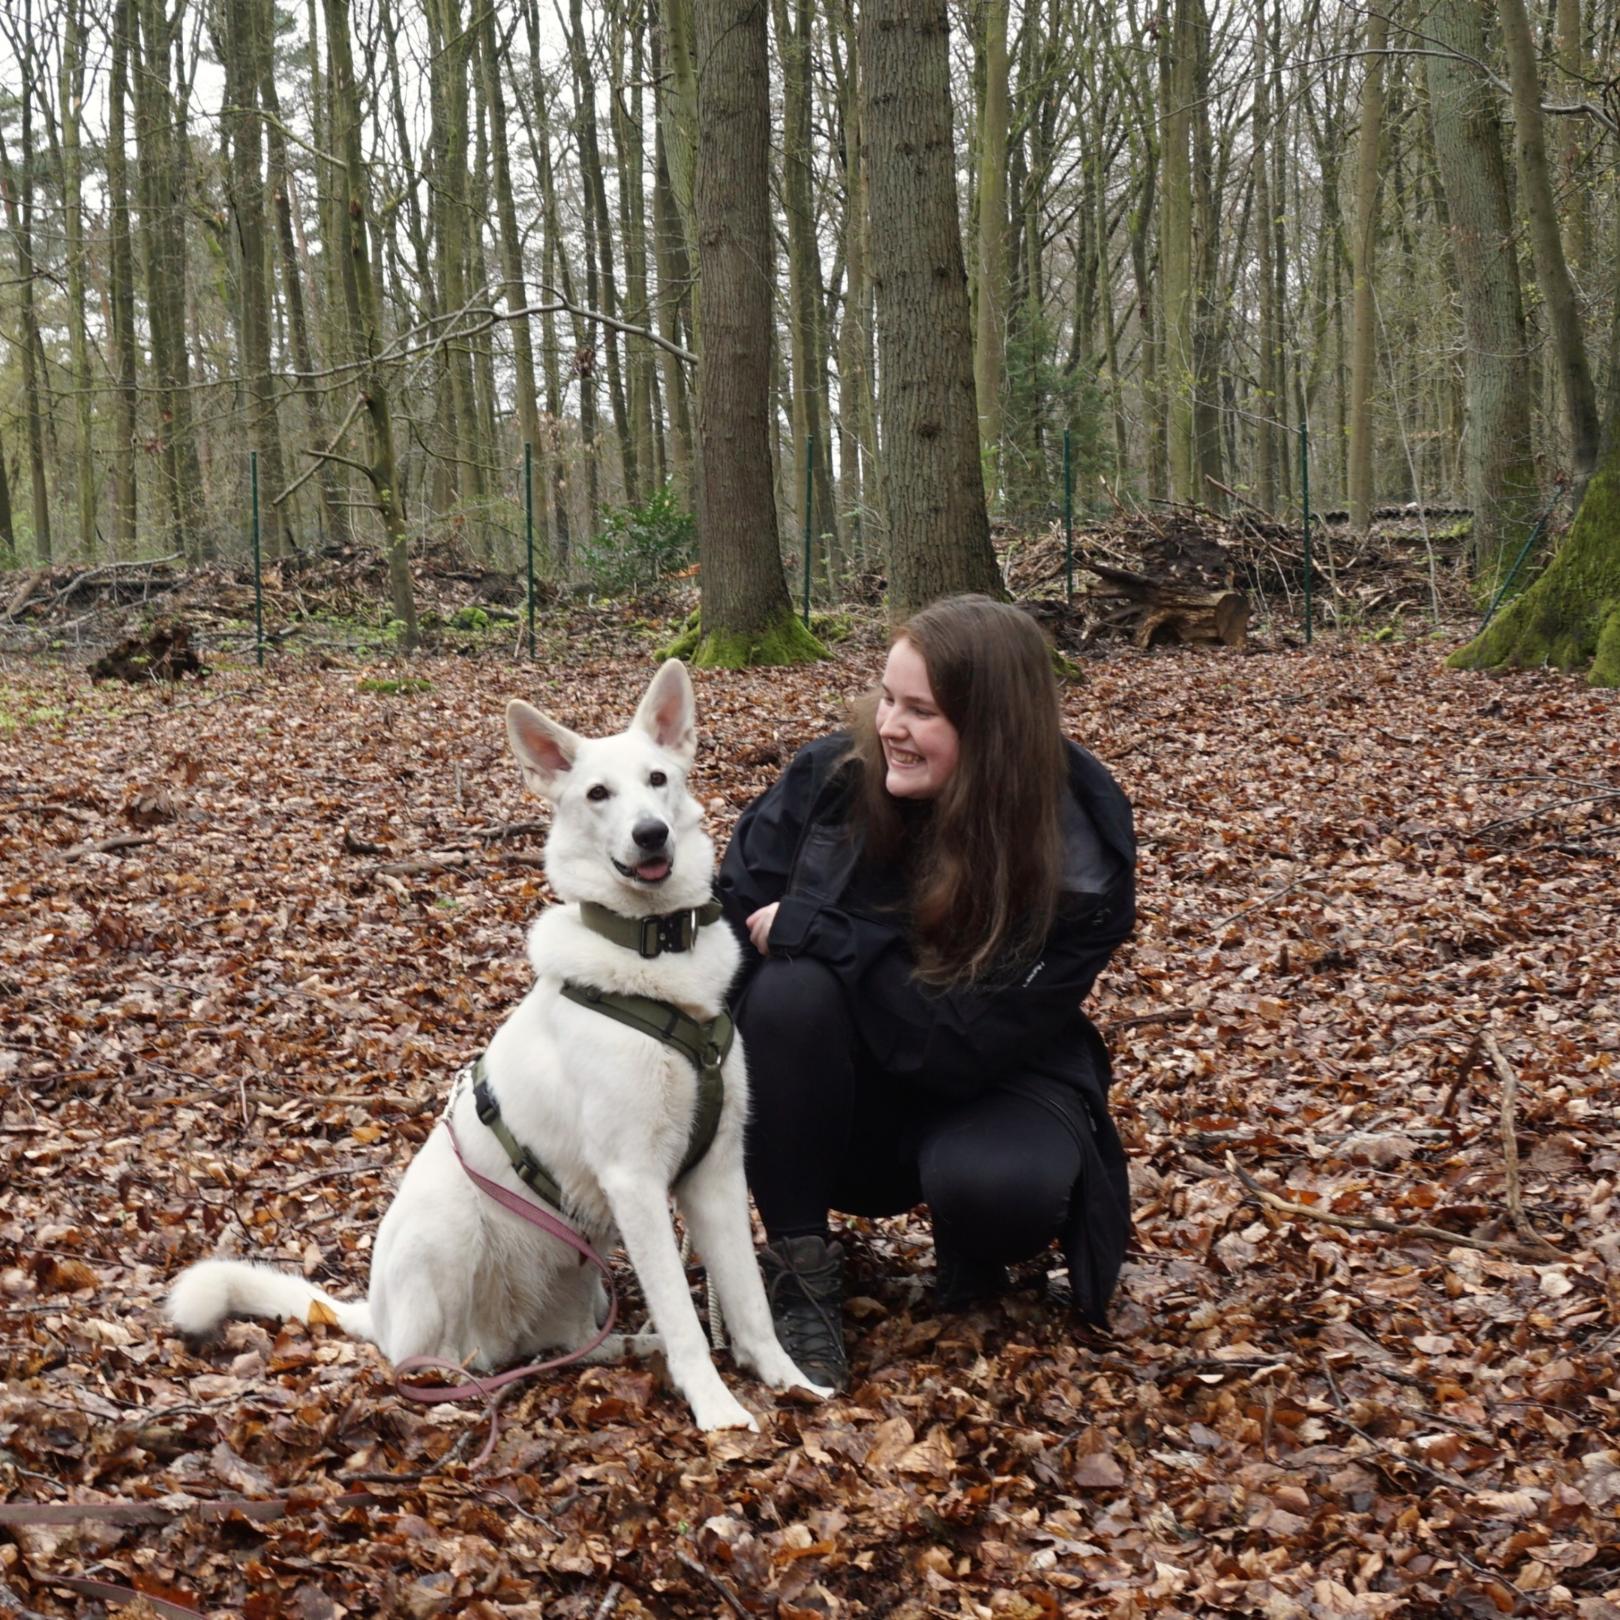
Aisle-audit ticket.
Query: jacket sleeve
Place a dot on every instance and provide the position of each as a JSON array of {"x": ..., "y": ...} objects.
[
  {"x": 959, "y": 1041},
  {"x": 759, "y": 858}
]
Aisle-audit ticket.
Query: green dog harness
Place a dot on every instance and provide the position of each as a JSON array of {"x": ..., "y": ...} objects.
[{"x": 703, "y": 1044}]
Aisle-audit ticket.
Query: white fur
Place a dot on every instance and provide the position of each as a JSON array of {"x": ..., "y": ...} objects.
[{"x": 454, "y": 1275}]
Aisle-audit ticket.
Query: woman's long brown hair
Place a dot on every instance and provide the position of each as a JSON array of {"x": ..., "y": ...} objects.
[{"x": 983, "y": 860}]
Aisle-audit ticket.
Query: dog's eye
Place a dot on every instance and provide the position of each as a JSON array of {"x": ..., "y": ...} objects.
[
  {"x": 598, "y": 793},
  {"x": 657, "y": 779}
]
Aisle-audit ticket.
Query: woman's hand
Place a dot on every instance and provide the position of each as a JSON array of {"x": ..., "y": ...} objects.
[{"x": 759, "y": 927}]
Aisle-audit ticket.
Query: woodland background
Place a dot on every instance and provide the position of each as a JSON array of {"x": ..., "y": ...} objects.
[{"x": 387, "y": 246}]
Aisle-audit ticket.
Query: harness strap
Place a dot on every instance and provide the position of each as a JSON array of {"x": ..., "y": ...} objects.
[
  {"x": 528, "y": 1169},
  {"x": 704, "y": 1045},
  {"x": 650, "y": 937}
]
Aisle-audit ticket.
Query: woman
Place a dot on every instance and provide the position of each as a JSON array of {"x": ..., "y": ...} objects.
[{"x": 926, "y": 900}]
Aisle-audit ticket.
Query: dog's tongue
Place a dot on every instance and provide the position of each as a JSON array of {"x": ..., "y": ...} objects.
[{"x": 653, "y": 871}]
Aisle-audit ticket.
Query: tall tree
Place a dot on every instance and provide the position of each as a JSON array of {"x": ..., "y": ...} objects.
[
  {"x": 246, "y": 43},
  {"x": 746, "y": 614},
  {"x": 1468, "y": 150},
  {"x": 1364, "y": 352},
  {"x": 939, "y": 530},
  {"x": 991, "y": 303},
  {"x": 491, "y": 55},
  {"x": 1178, "y": 87},
  {"x": 121, "y": 288},
  {"x": 1552, "y": 269},
  {"x": 72, "y": 80},
  {"x": 352, "y": 247},
  {"x": 160, "y": 136},
  {"x": 811, "y": 446},
  {"x": 17, "y": 181}
]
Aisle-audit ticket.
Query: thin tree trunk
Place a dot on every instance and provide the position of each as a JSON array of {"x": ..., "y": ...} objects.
[
  {"x": 160, "y": 135},
  {"x": 247, "y": 44},
  {"x": 991, "y": 311},
  {"x": 1178, "y": 76},
  {"x": 606, "y": 296},
  {"x": 72, "y": 97},
  {"x": 121, "y": 289},
  {"x": 360, "y": 298},
  {"x": 1364, "y": 348},
  {"x": 674, "y": 281},
  {"x": 805, "y": 295},
  {"x": 328, "y": 479},
  {"x": 19, "y": 197}
]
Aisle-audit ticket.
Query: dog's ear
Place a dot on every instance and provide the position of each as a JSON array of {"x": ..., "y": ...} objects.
[
  {"x": 544, "y": 749},
  {"x": 668, "y": 711}
]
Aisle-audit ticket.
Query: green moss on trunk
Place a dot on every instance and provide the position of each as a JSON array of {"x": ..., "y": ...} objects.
[
  {"x": 785, "y": 642},
  {"x": 1570, "y": 617}
]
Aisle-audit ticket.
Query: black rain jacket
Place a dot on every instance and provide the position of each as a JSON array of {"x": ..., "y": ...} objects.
[{"x": 793, "y": 846}]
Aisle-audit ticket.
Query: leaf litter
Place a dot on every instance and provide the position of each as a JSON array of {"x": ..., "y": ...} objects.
[{"x": 252, "y": 927}]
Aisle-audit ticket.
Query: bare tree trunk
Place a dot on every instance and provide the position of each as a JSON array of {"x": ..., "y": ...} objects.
[
  {"x": 121, "y": 289},
  {"x": 631, "y": 157},
  {"x": 360, "y": 297},
  {"x": 991, "y": 312},
  {"x": 939, "y": 530},
  {"x": 805, "y": 295},
  {"x": 1178, "y": 76},
  {"x": 19, "y": 196},
  {"x": 247, "y": 44},
  {"x": 514, "y": 290},
  {"x": 674, "y": 282},
  {"x": 1552, "y": 270},
  {"x": 72, "y": 97},
  {"x": 606, "y": 297},
  {"x": 746, "y": 614},
  {"x": 1265, "y": 438},
  {"x": 1468, "y": 149},
  {"x": 327, "y": 480},
  {"x": 159, "y": 134},
  {"x": 1364, "y": 346}
]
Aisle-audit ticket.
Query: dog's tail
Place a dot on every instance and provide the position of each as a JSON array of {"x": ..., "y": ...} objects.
[{"x": 206, "y": 1293}]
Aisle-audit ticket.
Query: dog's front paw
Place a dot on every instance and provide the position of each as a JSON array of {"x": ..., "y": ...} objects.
[{"x": 723, "y": 1411}]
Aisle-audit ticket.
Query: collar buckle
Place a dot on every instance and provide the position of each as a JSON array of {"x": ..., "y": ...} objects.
[{"x": 674, "y": 931}]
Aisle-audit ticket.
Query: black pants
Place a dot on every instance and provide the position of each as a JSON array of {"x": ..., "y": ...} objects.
[{"x": 830, "y": 1130}]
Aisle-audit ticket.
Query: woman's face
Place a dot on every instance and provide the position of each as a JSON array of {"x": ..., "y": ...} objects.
[{"x": 919, "y": 744}]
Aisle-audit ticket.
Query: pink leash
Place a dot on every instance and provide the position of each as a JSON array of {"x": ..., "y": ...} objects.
[{"x": 485, "y": 1388}]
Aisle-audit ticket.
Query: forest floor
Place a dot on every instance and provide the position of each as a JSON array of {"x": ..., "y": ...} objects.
[{"x": 249, "y": 927}]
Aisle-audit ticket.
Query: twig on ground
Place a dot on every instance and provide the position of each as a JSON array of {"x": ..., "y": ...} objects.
[
  {"x": 1460, "y": 1079},
  {"x": 426, "y": 864},
  {"x": 610, "y": 1601},
  {"x": 109, "y": 846},
  {"x": 1171, "y": 1015},
  {"x": 1374, "y": 1223},
  {"x": 732, "y": 1600},
  {"x": 1510, "y": 1149},
  {"x": 1546, "y": 810},
  {"x": 1264, "y": 900},
  {"x": 1449, "y": 1480}
]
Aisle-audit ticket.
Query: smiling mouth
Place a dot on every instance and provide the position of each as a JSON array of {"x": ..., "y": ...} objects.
[
  {"x": 904, "y": 761},
  {"x": 653, "y": 870}
]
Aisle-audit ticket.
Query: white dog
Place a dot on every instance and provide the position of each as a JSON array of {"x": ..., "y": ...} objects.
[{"x": 607, "y": 1108}]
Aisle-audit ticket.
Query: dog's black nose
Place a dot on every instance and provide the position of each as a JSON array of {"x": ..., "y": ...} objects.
[{"x": 650, "y": 834}]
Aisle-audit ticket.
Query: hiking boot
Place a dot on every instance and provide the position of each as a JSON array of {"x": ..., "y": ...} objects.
[
  {"x": 804, "y": 1281},
  {"x": 960, "y": 1282}
]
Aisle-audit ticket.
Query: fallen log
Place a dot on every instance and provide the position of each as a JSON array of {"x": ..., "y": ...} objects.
[{"x": 1168, "y": 610}]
